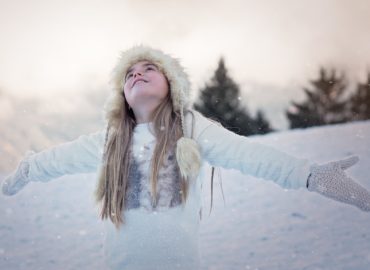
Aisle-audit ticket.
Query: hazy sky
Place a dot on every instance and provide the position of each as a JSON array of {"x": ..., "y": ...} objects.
[{"x": 271, "y": 47}]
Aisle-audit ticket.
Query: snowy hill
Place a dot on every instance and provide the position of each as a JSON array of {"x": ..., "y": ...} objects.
[{"x": 261, "y": 226}]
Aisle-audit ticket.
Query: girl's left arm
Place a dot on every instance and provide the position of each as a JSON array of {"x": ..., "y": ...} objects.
[{"x": 223, "y": 148}]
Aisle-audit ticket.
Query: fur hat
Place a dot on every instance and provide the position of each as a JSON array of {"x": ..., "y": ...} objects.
[{"x": 187, "y": 151}]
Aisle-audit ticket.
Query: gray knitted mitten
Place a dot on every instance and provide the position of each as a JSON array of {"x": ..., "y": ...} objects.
[
  {"x": 18, "y": 179},
  {"x": 331, "y": 181}
]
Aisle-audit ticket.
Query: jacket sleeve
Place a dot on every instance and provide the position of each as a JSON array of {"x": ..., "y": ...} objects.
[
  {"x": 223, "y": 148},
  {"x": 82, "y": 155}
]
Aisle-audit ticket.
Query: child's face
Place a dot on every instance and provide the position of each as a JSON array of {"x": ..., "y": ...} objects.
[{"x": 145, "y": 86}]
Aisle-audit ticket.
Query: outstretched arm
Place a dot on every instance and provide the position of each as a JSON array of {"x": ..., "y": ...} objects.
[
  {"x": 81, "y": 155},
  {"x": 223, "y": 148},
  {"x": 78, "y": 156},
  {"x": 331, "y": 181}
]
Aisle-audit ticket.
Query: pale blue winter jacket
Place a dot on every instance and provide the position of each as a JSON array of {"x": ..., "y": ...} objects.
[
  {"x": 168, "y": 238},
  {"x": 219, "y": 147}
]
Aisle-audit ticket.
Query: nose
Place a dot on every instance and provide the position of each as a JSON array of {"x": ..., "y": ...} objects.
[{"x": 136, "y": 73}]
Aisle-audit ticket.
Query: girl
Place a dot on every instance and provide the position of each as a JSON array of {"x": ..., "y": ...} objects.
[{"x": 150, "y": 161}]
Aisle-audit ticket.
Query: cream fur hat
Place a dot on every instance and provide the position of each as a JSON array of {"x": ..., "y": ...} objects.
[{"x": 187, "y": 151}]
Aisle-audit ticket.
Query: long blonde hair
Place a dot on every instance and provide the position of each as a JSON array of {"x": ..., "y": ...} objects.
[{"x": 111, "y": 191}]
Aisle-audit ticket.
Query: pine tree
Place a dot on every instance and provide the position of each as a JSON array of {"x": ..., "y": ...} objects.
[
  {"x": 262, "y": 124},
  {"x": 220, "y": 100},
  {"x": 324, "y": 104},
  {"x": 360, "y": 101}
]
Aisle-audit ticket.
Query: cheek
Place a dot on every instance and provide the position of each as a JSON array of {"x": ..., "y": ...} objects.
[
  {"x": 166, "y": 90},
  {"x": 126, "y": 94},
  {"x": 126, "y": 88},
  {"x": 165, "y": 87}
]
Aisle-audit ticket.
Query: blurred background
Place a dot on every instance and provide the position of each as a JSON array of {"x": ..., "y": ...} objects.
[
  {"x": 56, "y": 59},
  {"x": 256, "y": 66}
]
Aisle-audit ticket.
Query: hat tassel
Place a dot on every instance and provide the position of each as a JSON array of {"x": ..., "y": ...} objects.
[{"x": 188, "y": 157}]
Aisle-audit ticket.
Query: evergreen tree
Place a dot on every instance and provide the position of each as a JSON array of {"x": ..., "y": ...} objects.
[
  {"x": 324, "y": 104},
  {"x": 262, "y": 124},
  {"x": 360, "y": 101},
  {"x": 220, "y": 100}
]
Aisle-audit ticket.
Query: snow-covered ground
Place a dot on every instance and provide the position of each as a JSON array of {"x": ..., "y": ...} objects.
[{"x": 261, "y": 226}]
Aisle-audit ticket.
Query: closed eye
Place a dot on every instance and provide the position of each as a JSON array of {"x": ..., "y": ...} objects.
[
  {"x": 151, "y": 67},
  {"x": 129, "y": 75}
]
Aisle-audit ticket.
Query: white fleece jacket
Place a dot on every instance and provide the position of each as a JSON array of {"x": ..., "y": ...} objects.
[{"x": 166, "y": 236}]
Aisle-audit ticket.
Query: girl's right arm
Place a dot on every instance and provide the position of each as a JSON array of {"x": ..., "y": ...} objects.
[{"x": 81, "y": 155}]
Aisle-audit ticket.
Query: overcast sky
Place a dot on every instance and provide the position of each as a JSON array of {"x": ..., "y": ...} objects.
[{"x": 270, "y": 47}]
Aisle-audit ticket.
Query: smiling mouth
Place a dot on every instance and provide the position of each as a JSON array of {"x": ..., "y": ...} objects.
[{"x": 141, "y": 80}]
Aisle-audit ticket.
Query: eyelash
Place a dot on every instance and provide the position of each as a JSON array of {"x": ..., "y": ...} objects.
[{"x": 130, "y": 74}]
